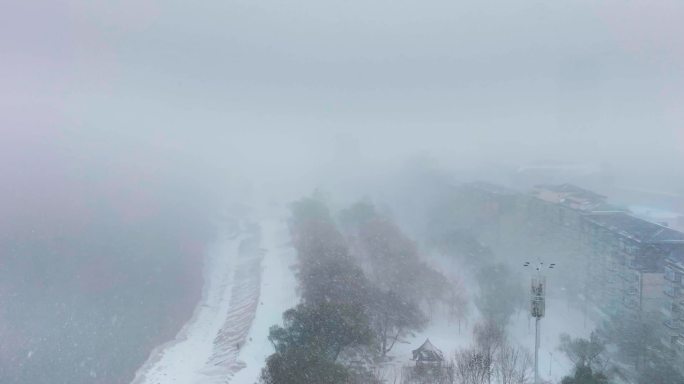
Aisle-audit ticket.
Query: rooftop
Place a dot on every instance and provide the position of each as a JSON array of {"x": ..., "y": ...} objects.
[
  {"x": 572, "y": 190},
  {"x": 637, "y": 229},
  {"x": 427, "y": 352}
]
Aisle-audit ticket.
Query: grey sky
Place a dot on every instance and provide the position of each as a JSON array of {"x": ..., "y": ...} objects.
[{"x": 507, "y": 80}]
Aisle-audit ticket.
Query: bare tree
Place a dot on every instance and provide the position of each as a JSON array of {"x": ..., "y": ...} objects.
[
  {"x": 472, "y": 367},
  {"x": 489, "y": 338},
  {"x": 513, "y": 365}
]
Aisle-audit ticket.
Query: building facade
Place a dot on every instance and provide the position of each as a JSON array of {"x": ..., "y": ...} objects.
[
  {"x": 627, "y": 258},
  {"x": 673, "y": 306},
  {"x": 628, "y": 269}
]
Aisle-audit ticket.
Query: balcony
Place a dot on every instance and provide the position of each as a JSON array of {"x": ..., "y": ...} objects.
[
  {"x": 673, "y": 324},
  {"x": 680, "y": 343},
  {"x": 673, "y": 310},
  {"x": 673, "y": 292},
  {"x": 672, "y": 276},
  {"x": 630, "y": 276}
]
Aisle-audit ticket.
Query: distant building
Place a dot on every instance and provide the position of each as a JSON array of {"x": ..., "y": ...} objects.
[
  {"x": 537, "y": 173},
  {"x": 630, "y": 268},
  {"x": 634, "y": 266},
  {"x": 665, "y": 217},
  {"x": 561, "y": 208},
  {"x": 571, "y": 196},
  {"x": 673, "y": 306},
  {"x": 627, "y": 257}
]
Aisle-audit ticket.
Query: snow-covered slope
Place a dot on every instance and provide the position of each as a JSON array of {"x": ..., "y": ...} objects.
[{"x": 217, "y": 342}]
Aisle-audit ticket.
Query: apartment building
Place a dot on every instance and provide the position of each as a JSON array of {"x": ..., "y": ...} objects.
[
  {"x": 631, "y": 268},
  {"x": 561, "y": 208},
  {"x": 673, "y": 306},
  {"x": 627, "y": 258}
]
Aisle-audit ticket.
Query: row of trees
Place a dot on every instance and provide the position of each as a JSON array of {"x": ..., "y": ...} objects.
[
  {"x": 394, "y": 264},
  {"x": 345, "y": 320},
  {"x": 331, "y": 316},
  {"x": 393, "y": 261},
  {"x": 365, "y": 289}
]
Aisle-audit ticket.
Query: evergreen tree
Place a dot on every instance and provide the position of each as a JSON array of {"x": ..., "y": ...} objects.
[{"x": 585, "y": 375}]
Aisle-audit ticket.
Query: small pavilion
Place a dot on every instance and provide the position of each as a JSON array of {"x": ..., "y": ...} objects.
[{"x": 428, "y": 354}]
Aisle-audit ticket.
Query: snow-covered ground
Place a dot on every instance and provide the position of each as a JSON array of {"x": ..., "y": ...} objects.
[
  {"x": 560, "y": 318},
  {"x": 553, "y": 364},
  {"x": 246, "y": 290},
  {"x": 443, "y": 334},
  {"x": 278, "y": 293}
]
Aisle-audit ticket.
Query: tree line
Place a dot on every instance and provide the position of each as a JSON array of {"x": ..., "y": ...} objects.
[{"x": 363, "y": 289}]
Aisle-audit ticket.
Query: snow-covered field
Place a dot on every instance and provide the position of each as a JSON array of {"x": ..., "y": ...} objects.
[{"x": 226, "y": 340}]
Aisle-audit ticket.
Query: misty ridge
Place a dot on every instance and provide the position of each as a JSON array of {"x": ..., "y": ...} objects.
[{"x": 341, "y": 192}]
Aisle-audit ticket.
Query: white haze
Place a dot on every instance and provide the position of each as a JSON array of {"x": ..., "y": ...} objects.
[
  {"x": 108, "y": 107},
  {"x": 269, "y": 84}
]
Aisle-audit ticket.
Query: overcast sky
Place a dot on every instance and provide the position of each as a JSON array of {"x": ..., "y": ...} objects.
[{"x": 273, "y": 82}]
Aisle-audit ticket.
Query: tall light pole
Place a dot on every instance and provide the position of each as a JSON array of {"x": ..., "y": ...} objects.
[{"x": 537, "y": 308}]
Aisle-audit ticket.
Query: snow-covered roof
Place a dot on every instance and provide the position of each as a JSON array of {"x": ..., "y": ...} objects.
[
  {"x": 428, "y": 352},
  {"x": 637, "y": 229},
  {"x": 572, "y": 190}
]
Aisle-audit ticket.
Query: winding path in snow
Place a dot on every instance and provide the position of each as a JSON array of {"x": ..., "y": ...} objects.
[{"x": 226, "y": 339}]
